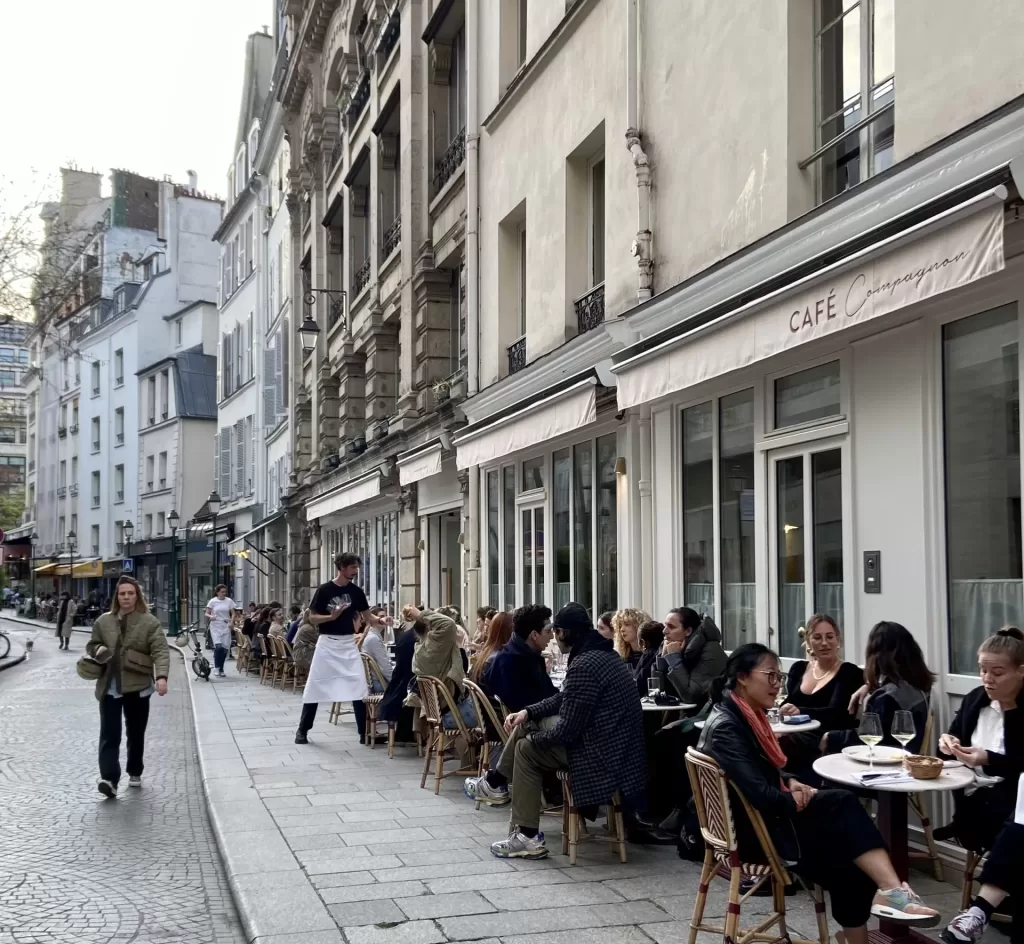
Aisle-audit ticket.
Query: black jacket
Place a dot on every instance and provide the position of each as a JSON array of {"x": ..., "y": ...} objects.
[
  {"x": 401, "y": 676},
  {"x": 729, "y": 739},
  {"x": 517, "y": 675},
  {"x": 644, "y": 670},
  {"x": 699, "y": 664},
  {"x": 1009, "y": 765},
  {"x": 885, "y": 701},
  {"x": 600, "y": 724}
]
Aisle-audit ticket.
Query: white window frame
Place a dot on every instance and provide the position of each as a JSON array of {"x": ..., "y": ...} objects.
[{"x": 591, "y": 192}]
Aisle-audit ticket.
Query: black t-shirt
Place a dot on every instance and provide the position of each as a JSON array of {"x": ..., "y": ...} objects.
[{"x": 328, "y": 596}]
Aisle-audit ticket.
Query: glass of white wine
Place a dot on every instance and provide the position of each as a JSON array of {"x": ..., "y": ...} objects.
[
  {"x": 903, "y": 728},
  {"x": 870, "y": 732}
]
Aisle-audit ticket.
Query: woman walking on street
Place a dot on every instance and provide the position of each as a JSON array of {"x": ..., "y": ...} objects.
[
  {"x": 67, "y": 625},
  {"x": 218, "y": 612},
  {"x": 130, "y": 642}
]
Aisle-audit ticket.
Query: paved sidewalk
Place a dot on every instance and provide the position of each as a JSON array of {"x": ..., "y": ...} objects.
[
  {"x": 333, "y": 843},
  {"x": 18, "y": 650}
]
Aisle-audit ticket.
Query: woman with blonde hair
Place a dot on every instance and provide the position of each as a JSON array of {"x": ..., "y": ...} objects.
[
  {"x": 130, "y": 643},
  {"x": 626, "y": 625}
]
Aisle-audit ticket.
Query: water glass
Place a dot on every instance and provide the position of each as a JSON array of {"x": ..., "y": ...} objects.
[
  {"x": 653, "y": 687},
  {"x": 773, "y": 715}
]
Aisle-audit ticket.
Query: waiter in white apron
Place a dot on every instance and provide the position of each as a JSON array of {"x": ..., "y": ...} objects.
[{"x": 336, "y": 673}]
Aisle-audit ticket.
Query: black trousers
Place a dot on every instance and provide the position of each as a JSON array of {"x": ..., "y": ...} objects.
[
  {"x": 979, "y": 818},
  {"x": 1003, "y": 869},
  {"x": 669, "y": 784},
  {"x": 135, "y": 709}
]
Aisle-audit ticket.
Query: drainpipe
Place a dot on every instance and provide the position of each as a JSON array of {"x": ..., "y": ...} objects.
[
  {"x": 646, "y": 512},
  {"x": 470, "y": 529},
  {"x": 641, "y": 163}
]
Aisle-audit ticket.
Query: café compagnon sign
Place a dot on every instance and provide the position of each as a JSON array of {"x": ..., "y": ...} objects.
[{"x": 948, "y": 258}]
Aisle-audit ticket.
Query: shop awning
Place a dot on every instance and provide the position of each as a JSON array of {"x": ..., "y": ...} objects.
[
  {"x": 363, "y": 489},
  {"x": 563, "y": 412},
  {"x": 419, "y": 463},
  {"x": 88, "y": 568},
  {"x": 239, "y": 543},
  {"x": 946, "y": 251},
  {"x": 50, "y": 568}
]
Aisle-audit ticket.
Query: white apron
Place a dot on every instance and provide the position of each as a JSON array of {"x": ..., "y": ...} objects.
[
  {"x": 336, "y": 673},
  {"x": 220, "y": 633}
]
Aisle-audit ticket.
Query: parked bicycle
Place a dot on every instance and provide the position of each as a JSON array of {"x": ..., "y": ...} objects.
[
  {"x": 190, "y": 637},
  {"x": 5, "y": 645}
]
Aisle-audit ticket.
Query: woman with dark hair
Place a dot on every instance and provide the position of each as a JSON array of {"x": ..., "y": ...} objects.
[
  {"x": 604, "y": 624},
  {"x": 896, "y": 679},
  {"x": 219, "y": 611},
  {"x": 499, "y": 633},
  {"x": 692, "y": 655},
  {"x": 824, "y": 835},
  {"x": 65, "y": 599},
  {"x": 130, "y": 643},
  {"x": 650, "y": 636}
]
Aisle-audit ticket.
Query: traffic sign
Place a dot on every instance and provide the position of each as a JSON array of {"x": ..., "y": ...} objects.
[{"x": 128, "y": 566}]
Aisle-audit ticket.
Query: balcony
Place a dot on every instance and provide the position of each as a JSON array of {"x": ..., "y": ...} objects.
[
  {"x": 392, "y": 236},
  {"x": 389, "y": 37},
  {"x": 73, "y": 490},
  {"x": 74, "y": 429},
  {"x": 62, "y": 431},
  {"x": 361, "y": 278},
  {"x": 449, "y": 162},
  {"x": 590, "y": 309},
  {"x": 359, "y": 100},
  {"x": 517, "y": 355},
  {"x": 62, "y": 491}
]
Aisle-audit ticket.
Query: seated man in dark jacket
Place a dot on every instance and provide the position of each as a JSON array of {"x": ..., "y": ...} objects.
[
  {"x": 517, "y": 674},
  {"x": 593, "y": 728}
]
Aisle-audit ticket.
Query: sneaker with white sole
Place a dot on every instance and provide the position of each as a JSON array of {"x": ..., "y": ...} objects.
[
  {"x": 903, "y": 904},
  {"x": 134, "y": 781},
  {"x": 966, "y": 928},
  {"x": 518, "y": 846},
  {"x": 477, "y": 788},
  {"x": 108, "y": 789}
]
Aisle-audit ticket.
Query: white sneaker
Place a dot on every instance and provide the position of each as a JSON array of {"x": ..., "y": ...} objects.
[
  {"x": 477, "y": 788},
  {"x": 107, "y": 789},
  {"x": 134, "y": 781},
  {"x": 518, "y": 846}
]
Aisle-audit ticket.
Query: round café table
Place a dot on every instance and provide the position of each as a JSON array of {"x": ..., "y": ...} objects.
[
  {"x": 781, "y": 729},
  {"x": 892, "y": 819}
]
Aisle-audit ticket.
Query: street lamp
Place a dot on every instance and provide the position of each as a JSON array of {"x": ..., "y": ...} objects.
[
  {"x": 129, "y": 530},
  {"x": 173, "y": 612},
  {"x": 72, "y": 538},
  {"x": 308, "y": 332},
  {"x": 213, "y": 503},
  {"x": 30, "y": 608}
]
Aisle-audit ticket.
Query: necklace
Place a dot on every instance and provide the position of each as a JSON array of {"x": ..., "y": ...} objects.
[{"x": 818, "y": 678}]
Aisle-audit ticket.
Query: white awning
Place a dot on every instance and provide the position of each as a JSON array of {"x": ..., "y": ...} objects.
[
  {"x": 560, "y": 413},
  {"x": 351, "y": 493},
  {"x": 953, "y": 249},
  {"x": 238, "y": 543},
  {"x": 419, "y": 464}
]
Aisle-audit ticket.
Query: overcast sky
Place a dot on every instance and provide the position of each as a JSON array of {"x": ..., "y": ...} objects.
[{"x": 148, "y": 87}]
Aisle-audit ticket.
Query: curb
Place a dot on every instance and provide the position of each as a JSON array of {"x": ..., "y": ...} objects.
[
  {"x": 11, "y": 663},
  {"x": 21, "y": 621},
  {"x": 236, "y": 810}
]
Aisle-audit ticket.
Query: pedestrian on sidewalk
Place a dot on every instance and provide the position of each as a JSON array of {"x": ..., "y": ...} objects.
[
  {"x": 218, "y": 612},
  {"x": 65, "y": 598},
  {"x": 131, "y": 643},
  {"x": 67, "y": 625},
  {"x": 336, "y": 672}
]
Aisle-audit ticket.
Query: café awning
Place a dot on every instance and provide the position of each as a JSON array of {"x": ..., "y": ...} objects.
[
  {"x": 88, "y": 568},
  {"x": 420, "y": 463},
  {"x": 356, "y": 492},
  {"x": 50, "y": 568}
]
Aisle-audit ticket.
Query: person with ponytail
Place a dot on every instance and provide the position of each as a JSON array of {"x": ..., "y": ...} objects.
[{"x": 824, "y": 835}]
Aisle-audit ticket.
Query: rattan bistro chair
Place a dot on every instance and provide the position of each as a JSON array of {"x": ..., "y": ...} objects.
[
  {"x": 714, "y": 811},
  {"x": 436, "y": 700},
  {"x": 488, "y": 721},
  {"x": 372, "y": 701},
  {"x": 573, "y": 822}
]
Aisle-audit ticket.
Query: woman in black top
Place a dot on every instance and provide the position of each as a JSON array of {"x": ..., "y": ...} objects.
[{"x": 821, "y": 688}]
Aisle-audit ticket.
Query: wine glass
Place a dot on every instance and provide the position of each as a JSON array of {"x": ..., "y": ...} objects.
[
  {"x": 653, "y": 687},
  {"x": 870, "y": 732},
  {"x": 903, "y": 728}
]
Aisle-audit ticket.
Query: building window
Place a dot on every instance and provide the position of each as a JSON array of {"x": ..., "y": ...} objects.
[
  {"x": 151, "y": 401},
  {"x": 150, "y": 466},
  {"x": 597, "y": 222},
  {"x": 533, "y": 474},
  {"x": 160, "y": 522},
  {"x": 736, "y": 516},
  {"x": 118, "y": 367},
  {"x": 95, "y": 535},
  {"x": 521, "y": 281},
  {"x": 698, "y": 508},
  {"x": 855, "y": 66},
  {"x": 165, "y": 383},
  {"x": 493, "y": 537},
  {"x": 178, "y": 332},
  {"x": 74, "y": 413},
  {"x": 95, "y": 378},
  {"x": 119, "y": 426},
  {"x": 147, "y": 526},
  {"x": 118, "y": 483},
  {"x": 119, "y": 537},
  {"x": 808, "y": 395},
  {"x": 457, "y": 85},
  {"x": 457, "y": 316},
  {"x": 74, "y": 471},
  {"x": 95, "y": 434},
  {"x": 96, "y": 490},
  {"x": 521, "y": 34},
  {"x": 981, "y": 414},
  {"x": 62, "y": 474},
  {"x": 8, "y": 434},
  {"x": 162, "y": 469}
]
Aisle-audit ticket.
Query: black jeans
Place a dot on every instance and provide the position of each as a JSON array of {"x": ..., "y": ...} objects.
[
  {"x": 1003, "y": 869},
  {"x": 220, "y": 654},
  {"x": 136, "y": 715}
]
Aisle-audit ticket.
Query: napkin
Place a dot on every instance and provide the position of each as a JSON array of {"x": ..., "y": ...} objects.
[{"x": 872, "y": 778}]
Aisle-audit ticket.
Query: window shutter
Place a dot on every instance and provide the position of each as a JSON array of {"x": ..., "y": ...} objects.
[
  {"x": 220, "y": 368},
  {"x": 224, "y": 485},
  {"x": 249, "y": 340},
  {"x": 269, "y": 388},
  {"x": 216, "y": 460},
  {"x": 279, "y": 375},
  {"x": 285, "y": 371},
  {"x": 239, "y": 457},
  {"x": 254, "y": 431}
]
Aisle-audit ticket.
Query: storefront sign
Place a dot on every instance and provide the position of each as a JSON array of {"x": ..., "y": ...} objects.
[{"x": 948, "y": 258}]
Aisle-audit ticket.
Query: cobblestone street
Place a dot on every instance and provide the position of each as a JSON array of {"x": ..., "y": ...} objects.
[{"x": 76, "y": 869}]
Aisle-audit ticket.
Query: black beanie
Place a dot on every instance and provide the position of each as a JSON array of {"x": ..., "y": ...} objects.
[{"x": 573, "y": 617}]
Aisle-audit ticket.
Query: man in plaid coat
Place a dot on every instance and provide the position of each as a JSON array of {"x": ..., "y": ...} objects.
[{"x": 593, "y": 728}]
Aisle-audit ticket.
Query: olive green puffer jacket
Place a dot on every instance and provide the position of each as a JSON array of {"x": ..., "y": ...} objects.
[{"x": 143, "y": 634}]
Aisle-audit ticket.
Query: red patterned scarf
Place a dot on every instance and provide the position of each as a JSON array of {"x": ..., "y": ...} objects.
[{"x": 758, "y": 722}]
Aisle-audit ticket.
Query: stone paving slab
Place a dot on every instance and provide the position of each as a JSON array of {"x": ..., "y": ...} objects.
[{"x": 333, "y": 843}]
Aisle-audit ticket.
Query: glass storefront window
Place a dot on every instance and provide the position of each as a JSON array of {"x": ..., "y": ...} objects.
[
  {"x": 533, "y": 473},
  {"x": 698, "y": 508},
  {"x": 509, "y": 486},
  {"x": 607, "y": 533},
  {"x": 827, "y": 498},
  {"x": 981, "y": 413},
  {"x": 493, "y": 506},
  {"x": 582, "y": 500},
  {"x": 807, "y": 395},
  {"x": 563, "y": 525},
  {"x": 736, "y": 513},
  {"x": 789, "y": 487}
]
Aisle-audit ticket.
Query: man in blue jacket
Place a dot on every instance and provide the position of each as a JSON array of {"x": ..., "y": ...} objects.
[{"x": 517, "y": 674}]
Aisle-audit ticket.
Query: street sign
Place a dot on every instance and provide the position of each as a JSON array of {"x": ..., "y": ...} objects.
[{"x": 128, "y": 566}]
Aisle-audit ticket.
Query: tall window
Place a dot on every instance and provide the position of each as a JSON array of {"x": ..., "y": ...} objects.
[
  {"x": 606, "y": 544},
  {"x": 118, "y": 483},
  {"x": 95, "y": 434},
  {"x": 583, "y": 517},
  {"x": 509, "y": 513},
  {"x": 457, "y": 85},
  {"x": 561, "y": 508},
  {"x": 118, "y": 367},
  {"x": 150, "y": 466},
  {"x": 95, "y": 536},
  {"x": 736, "y": 510},
  {"x": 493, "y": 536},
  {"x": 119, "y": 426},
  {"x": 981, "y": 407},
  {"x": 162, "y": 470},
  {"x": 597, "y": 222},
  {"x": 521, "y": 280},
  {"x": 855, "y": 65},
  {"x": 698, "y": 507},
  {"x": 95, "y": 490},
  {"x": 151, "y": 398},
  {"x": 95, "y": 378}
]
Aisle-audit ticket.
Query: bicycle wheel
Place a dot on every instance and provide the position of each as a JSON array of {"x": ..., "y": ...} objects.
[
  {"x": 201, "y": 667},
  {"x": 5, "y": 646}
]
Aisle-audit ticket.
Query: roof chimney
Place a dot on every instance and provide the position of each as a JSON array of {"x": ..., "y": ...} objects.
[{"x": 193, "y": 179}]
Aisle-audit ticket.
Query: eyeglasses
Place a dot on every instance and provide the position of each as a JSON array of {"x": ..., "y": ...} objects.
[{"x": 774, "y": 678}]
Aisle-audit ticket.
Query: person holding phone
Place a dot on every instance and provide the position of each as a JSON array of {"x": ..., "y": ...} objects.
[{"x": 336, "y": 672}]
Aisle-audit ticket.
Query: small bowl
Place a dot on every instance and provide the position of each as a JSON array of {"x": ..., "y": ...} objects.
[{"x": 922, "y": 767}]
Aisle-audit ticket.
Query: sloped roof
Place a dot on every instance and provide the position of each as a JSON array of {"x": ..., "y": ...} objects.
[
  {"x": 195, "y": 384},
  {"x": 259, "y": 69}
]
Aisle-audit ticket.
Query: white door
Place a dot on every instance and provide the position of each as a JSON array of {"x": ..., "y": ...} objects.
[
  {"x": 531, "y": 554},
  {"x": 808, "y": 536}
]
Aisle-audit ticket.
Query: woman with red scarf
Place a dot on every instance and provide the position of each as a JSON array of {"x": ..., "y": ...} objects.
[{"x": 823, "y": 835}]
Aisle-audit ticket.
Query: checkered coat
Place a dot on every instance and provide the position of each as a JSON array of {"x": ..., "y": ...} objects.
[{"x": 600, "y": 724}]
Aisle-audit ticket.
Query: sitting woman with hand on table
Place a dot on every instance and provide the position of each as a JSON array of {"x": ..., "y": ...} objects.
[
  {"x": 820, "y": 688},
  {"x": 896, "y": 678},
  {"x": 824, "y": 835},
  {"x": 691, "y": 656},
  {"x": 987, "y": 734}
]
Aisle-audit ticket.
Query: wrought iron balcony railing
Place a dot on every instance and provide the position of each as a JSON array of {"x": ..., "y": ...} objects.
[
  {"x": 590, "y": 309},
  {"x": 517, "y": 355},
  {"x": 392, "y": 235},
  {"x": 449, "y": 162},
  {"x": 359, "y": 99},
  {"x": 360, "y": 279}
]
